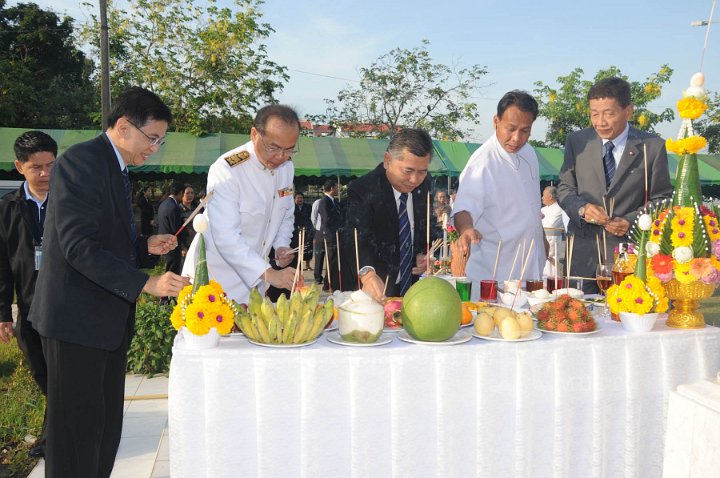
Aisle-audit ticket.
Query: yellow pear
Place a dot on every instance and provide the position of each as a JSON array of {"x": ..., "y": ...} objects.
[
  {"x": 510, "y": 329},
  {"x": 525, "y": 322},
  {"x": 484, "y": 324},
  {"x": 501, "y": 313}
]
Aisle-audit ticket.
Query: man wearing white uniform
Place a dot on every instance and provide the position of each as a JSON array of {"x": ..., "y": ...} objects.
[
  {"x": 252, "y": 208},
  {"x": 498, "y": 197},
  {"x": 554, "y": 226}
]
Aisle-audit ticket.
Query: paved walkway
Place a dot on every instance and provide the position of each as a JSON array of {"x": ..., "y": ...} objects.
[{"x": 143, "y": 451}]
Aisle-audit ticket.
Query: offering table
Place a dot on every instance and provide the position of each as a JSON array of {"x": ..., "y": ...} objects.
[{"x": 558, "y": 406}]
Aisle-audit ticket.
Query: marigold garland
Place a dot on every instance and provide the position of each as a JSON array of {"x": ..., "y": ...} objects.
[
  {"x": 208, "y": 308},
  {"x": 689, "y": 145},
  {"x": 691, "y": 108}
]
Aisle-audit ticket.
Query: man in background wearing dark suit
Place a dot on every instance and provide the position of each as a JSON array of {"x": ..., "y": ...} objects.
[
  {"x": 331, "y": 220},
  {"x": 604, "y": 167},
  {"x": 388, "y": 209},
  {"x": 89, "y": 280},
  {"x": 22, "y": 214},
  {"x": 169, "y": 221}
]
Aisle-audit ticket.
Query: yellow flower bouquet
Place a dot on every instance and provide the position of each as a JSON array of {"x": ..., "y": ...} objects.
[{"x": 203, "y": 306}]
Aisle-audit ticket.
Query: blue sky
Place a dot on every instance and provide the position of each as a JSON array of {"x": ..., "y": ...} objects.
[{"x": 519, "y": 41}]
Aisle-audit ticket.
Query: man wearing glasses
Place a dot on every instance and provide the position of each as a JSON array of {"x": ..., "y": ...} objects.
[{"x": 252, "y": 208}]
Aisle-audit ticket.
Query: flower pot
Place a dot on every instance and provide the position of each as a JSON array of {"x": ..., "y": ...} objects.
[
  {"x": 199, "y": 342},
  {"x": 684, "y": 297},
  {"x": 638, "y": 323}
]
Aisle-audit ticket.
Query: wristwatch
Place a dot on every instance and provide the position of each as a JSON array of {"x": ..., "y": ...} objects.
[
  {"x": 365, "y": 270},
  {"x": 581, "y": 212}
]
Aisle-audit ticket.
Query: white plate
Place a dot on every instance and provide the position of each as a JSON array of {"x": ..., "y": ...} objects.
[
  {"x": 571, "y": 333},
  {"x": 460, "y": 337},
  {"x": 534, "y": 335},
  {"x": 283, "y": 346},
  {"x": 335, "y": 338},
  {"x": 333, "y": 326}
]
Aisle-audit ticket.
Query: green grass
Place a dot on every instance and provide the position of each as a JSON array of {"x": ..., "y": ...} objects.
[{"x": 21, "y": 412}]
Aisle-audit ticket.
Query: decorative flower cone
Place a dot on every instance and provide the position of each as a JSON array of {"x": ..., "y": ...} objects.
[
  {"x": 201, "y": 271},
  {"x": 683, "y": 236}
]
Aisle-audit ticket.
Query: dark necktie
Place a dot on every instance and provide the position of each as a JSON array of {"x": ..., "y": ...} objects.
[
  {"x": 128, "y": 200},
  {"x": 609, "y": 161},
  {"x": 405, "y": 246}
]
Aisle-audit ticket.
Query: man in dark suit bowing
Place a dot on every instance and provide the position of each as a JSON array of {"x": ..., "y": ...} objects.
[
  {"x": 602, "y": 180},
  {"x": 169, "y": 219},
  {"x": 89, "y": 280},
  {"x": 388, "y": 208}
]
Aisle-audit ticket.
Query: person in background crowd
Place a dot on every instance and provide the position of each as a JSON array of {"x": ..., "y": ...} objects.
[
  {"x": 89, "y": 282},
  {"x": 331, "y": 220},
  {"x": 604, "y": 166},
  {"x": 147, "y": 212},
  {"x": 499, "y": 197},
  {"x": 187, "y": 206},
  {"x": 251, "y": 211},
  {"x": 388, "y": 208},
  {"x": 22, "y": 215},
  {"x": 303, "y": 222},
  {"x": 552, "y": 221},
  {"x": 169, "y": 222},
  {"x": 318, "y": 246}
]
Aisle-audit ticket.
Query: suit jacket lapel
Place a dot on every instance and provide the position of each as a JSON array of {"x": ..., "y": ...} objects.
[
  {"x": 390, "y": 205},
  {"x": 117, "y": 186},
  {"x": 595, "y": 150}
]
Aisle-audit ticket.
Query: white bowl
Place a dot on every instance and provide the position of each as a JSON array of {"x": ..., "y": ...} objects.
[
  {"x": 534, "y": 300},
  {"x": 638, "y": 323},
  {"x": 574, "y": 293},
  {"x": 509, "y": 297}
]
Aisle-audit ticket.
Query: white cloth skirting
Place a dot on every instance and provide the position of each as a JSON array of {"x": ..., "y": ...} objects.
[{"x": 591, "y": 406}]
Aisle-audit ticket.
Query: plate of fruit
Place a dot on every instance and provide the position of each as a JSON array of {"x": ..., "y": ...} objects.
[
  {"x": 503, "y": 324},
  {"x": 567, "y": 316}
]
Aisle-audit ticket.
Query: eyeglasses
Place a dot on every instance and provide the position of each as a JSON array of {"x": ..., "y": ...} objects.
[
  {"x": 276, "y": 150},
  {"x": 153, "y": 141}
]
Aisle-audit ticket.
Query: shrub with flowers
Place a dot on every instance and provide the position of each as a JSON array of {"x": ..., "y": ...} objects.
[{"x": 640, "y": 292}]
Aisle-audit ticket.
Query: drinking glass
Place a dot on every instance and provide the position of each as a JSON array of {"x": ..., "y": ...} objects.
[
  {"x": 463, "y": 285},
  {"x": 488, "y": 290},
  {"x": 604, "y": 277},
  {"x": 532, "y": 285}
]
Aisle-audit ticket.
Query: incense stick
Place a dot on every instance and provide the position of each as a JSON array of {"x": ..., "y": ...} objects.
[
  {"x": 597, "y": 241},
  {"x": 556, "y": 265},
  {"x": 357, "y": 259},
  {"x": 337, "y": 246},
  {"x": 512, "y": 269},
  {"x": 646, "y": 172},
  {"x": 427, "y": 235},
  {"x": 386, "y": 283},
  {"x": 297, "y": 269},
  {"x": 203, "y": 202},
  {"x": 522, "y": 273},
  {"x": 497, "y": 258}
]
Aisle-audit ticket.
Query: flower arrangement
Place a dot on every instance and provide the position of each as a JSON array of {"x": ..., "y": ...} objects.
[
  {"x": 203, "y": 305},
  {"x": 641, "y": 292},
  {"x": 452, "y": 233}
]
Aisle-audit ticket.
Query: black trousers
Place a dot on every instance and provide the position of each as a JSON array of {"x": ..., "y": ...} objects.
[
  {"x": 332, "y": 260},
  {"x": 174, "y": 261},
  {"x": 319, "y": 253},
  {"x": 30, "y": 343},
  {"x": 86, "y": 388}
]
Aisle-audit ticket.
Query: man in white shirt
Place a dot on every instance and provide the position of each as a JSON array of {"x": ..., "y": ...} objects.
[
  {"x": 498, "y": 198},
  {"x": 252, "y": 208},
  {"x": 553, "y": 224},
  {"x": 318, "y": 246}
]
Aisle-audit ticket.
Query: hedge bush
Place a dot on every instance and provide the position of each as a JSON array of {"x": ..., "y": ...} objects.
[{"x": 151, "y": 348}]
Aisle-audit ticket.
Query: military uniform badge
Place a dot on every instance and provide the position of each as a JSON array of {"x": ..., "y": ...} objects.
[
  {"x": 237, "y": 158},
  {"x": 288, "y": 191}
]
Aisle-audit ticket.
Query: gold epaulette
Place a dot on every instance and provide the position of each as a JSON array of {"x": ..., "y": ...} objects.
[{"x": 237, "y": 158}]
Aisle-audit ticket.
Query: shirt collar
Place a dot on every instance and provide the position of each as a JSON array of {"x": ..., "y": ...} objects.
[
  {"x": 621, "y": 139},
  {"x": 121, "y": 162},
  {"x": 30, "y": 197}
]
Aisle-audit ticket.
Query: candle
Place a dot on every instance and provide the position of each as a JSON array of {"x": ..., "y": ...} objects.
[{"x": 444, "y": 226}]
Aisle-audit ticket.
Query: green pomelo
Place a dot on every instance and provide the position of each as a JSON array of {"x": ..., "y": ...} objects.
[{"x": 431, "y": 310}]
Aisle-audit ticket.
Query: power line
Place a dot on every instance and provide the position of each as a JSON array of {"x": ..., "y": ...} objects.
[{"x": 324, "y": 76}]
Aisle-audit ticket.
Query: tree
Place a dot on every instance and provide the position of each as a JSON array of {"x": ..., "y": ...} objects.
[
  {"x": 404, "y": 88},
  {"x": 709, "y": 124},
  {"x": 566, "y": 107},
  {"x": 206, "y": 62},
  {"x": 44, "y": 79}
]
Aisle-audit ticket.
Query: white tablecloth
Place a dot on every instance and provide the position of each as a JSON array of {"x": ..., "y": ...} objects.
[
  {"x": 592, "y": 406},
  {"x": 692, "y": 446}
]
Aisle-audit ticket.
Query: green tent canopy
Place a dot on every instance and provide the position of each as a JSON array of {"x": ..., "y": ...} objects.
[{"x": 186, "y": 153}]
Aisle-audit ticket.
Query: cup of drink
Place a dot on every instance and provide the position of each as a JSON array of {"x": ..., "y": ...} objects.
[
  {"x": 532, "y": 285},
  {"x": 463, "y": 285},
  {"x": 552, "y": 281},
  {"x": 488, "y": 290}
]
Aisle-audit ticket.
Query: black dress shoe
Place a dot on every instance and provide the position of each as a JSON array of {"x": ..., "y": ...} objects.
[{"x": 38, "y": 451}]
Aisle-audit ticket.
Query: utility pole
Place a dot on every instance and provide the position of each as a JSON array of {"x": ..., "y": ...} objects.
[{"x": 104, "y": 64}]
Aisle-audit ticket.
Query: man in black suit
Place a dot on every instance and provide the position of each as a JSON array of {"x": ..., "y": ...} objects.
[
  {"x": 302, "y": 222},
  {"x": 169, "y": 221},
  {"x": 390, "y": 247},
  {"x": 22, "y": 214},
  {"x": 331, "y": 220},
  {"x": 89, "y": 280}
]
